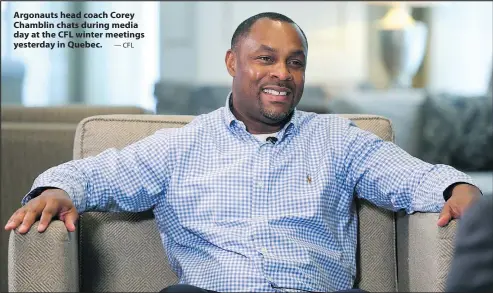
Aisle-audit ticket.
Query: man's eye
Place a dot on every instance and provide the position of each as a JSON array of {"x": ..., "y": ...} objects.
[
  {"x": 265, "y": 58},
  {"x": 297, "y": 63}
]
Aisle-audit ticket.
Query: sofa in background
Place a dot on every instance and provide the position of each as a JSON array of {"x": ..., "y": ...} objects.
[
  {"x": 458, "y": 131},
  {"x": 33, "y": 140},
  {"x": 122, "y": 252}
]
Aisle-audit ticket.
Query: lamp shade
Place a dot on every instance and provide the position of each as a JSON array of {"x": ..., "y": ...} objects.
[{"x": 402, "y": 40}]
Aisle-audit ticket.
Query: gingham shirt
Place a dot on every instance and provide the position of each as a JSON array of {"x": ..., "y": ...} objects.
[{"x": 238, "y": 214}]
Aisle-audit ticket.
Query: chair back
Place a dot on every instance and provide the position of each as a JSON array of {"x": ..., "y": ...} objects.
[{"x": 123, "y": 251}]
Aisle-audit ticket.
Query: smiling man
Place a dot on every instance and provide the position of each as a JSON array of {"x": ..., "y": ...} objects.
[
  {"x": 255, "y": 196},
  {"x": 267, "y": 61}
]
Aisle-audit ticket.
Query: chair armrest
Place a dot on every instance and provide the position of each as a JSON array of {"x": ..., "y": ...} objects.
[
  {"x": 424, "y": 252},
  {"x": 43, "y": 261}
]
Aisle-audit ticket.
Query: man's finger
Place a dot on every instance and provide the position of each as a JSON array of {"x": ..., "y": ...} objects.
[
  {"x": 16, "y": 219},
  {"x": 445, "y": 217},
  {"x": 28, "y": 221},
  {"x": 48, "y": 212},
  {"x": 70, "y": 219}
]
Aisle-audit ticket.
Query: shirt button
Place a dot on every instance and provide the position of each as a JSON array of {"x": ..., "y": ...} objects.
[
  {"x": 264, "y": 251},
  {"x": 261, "y": 219},
  {"x": 260, "y": 184}
]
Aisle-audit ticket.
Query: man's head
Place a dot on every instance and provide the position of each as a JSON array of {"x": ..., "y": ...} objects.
[{"x": 267, "y": 61}]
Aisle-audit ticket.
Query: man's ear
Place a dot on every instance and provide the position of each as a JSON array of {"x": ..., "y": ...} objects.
[{"x": 230, "y": 60}]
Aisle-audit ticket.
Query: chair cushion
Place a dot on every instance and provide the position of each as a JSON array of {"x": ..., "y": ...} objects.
[{"x": 123, "y": 252}]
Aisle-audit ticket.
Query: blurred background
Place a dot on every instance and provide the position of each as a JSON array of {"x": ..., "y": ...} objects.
[
  {"x": 185, "y": 45},
  {"x": 425, "y": 65}
]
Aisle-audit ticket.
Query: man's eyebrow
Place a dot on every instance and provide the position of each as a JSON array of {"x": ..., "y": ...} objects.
[
  {"x": 270, "y": 49},
  {"x": 266, "y": 48},
  {"x": 299, "y": 52}
]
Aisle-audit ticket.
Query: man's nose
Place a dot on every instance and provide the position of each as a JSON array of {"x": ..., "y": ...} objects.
[{"x": 281, "y": 71}]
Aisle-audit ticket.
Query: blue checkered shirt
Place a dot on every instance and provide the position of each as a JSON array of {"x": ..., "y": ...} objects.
[{"x": 237, "y": 214}]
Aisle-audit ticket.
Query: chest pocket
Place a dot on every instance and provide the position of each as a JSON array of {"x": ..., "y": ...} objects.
[{"x": 300, "y": 192}]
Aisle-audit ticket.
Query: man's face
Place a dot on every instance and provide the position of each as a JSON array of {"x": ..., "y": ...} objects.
[{"x": 268, "y": 69}]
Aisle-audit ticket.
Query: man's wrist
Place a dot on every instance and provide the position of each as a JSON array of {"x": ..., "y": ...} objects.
[
  {"x": 449, "y": 190},
  {"x": 35, "y": 193}
]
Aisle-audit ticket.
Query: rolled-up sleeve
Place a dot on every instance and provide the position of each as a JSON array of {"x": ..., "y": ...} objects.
[
  {"x": 384, "y": 174},
  {"x": 130, "y": 179}
]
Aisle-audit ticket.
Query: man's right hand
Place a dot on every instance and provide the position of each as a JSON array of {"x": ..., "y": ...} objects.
[{"x": 49, "y": 204}]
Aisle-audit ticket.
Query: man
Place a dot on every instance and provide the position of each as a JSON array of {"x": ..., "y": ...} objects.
[
  {"x": 255, "y": 196},
  {"x": 472, "y": 266}
]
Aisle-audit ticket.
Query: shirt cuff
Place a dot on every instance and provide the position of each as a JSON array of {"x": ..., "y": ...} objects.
[
  {"x": 431, "y": 195},
  {"x": 34, "y": 193},
  {"x": 74, "y": 195}
]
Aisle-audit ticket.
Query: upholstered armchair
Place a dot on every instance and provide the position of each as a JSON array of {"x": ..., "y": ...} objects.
[{"x": 123, "y": 252}]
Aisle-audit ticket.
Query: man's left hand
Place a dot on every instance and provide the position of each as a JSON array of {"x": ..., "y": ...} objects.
[{"x": 463, "y": 195}]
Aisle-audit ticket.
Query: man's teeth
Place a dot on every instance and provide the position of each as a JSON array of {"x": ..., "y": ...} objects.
[{"x": 275, "y": 93}]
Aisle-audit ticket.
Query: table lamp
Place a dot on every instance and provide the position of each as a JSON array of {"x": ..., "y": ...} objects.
[{"x": 402, "y": 41}]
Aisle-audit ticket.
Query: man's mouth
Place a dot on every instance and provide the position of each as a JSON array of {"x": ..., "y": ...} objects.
[{"x": 276, "y": 91}]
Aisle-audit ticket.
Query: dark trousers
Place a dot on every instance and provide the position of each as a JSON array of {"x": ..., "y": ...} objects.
[{"x": 193, "y": 289}]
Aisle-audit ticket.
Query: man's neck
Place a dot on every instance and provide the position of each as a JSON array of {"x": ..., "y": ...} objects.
[{"x": 255, "y": 126}]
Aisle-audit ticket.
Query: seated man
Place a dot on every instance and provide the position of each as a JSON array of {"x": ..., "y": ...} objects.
[{"x": 255, "y": 196}]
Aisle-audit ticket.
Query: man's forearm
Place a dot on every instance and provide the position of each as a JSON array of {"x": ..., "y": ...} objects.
[
  {"x": 66, "y": 177},
  {"x": 389, "y": 177},
  {"x": 113, "y": 181}
]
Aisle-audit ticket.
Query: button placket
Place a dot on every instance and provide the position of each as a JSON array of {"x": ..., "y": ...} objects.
[{"x": 260, "y": 198}]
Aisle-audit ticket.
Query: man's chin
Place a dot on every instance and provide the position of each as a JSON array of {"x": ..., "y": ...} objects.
[
  {"x": 275, "y": 112},
  {"x": 275, "y": 116}
]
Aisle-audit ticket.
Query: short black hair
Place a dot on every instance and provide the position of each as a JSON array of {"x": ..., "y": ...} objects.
[{"x": 244, "y": 28}]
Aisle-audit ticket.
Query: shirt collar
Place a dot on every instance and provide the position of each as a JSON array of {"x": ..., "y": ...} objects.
[{"x": 292, "y": 125}]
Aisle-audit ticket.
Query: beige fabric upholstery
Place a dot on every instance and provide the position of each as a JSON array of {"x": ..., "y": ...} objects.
[
  {"x": 34, "y": 139},
  {"x": 57, "y": 248},
  {"x": 123, "y": 252},
  {"x": 424, "y": 252},
  {"x": 66, "y": 114},
  {"x": 26, "y": 150}
]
